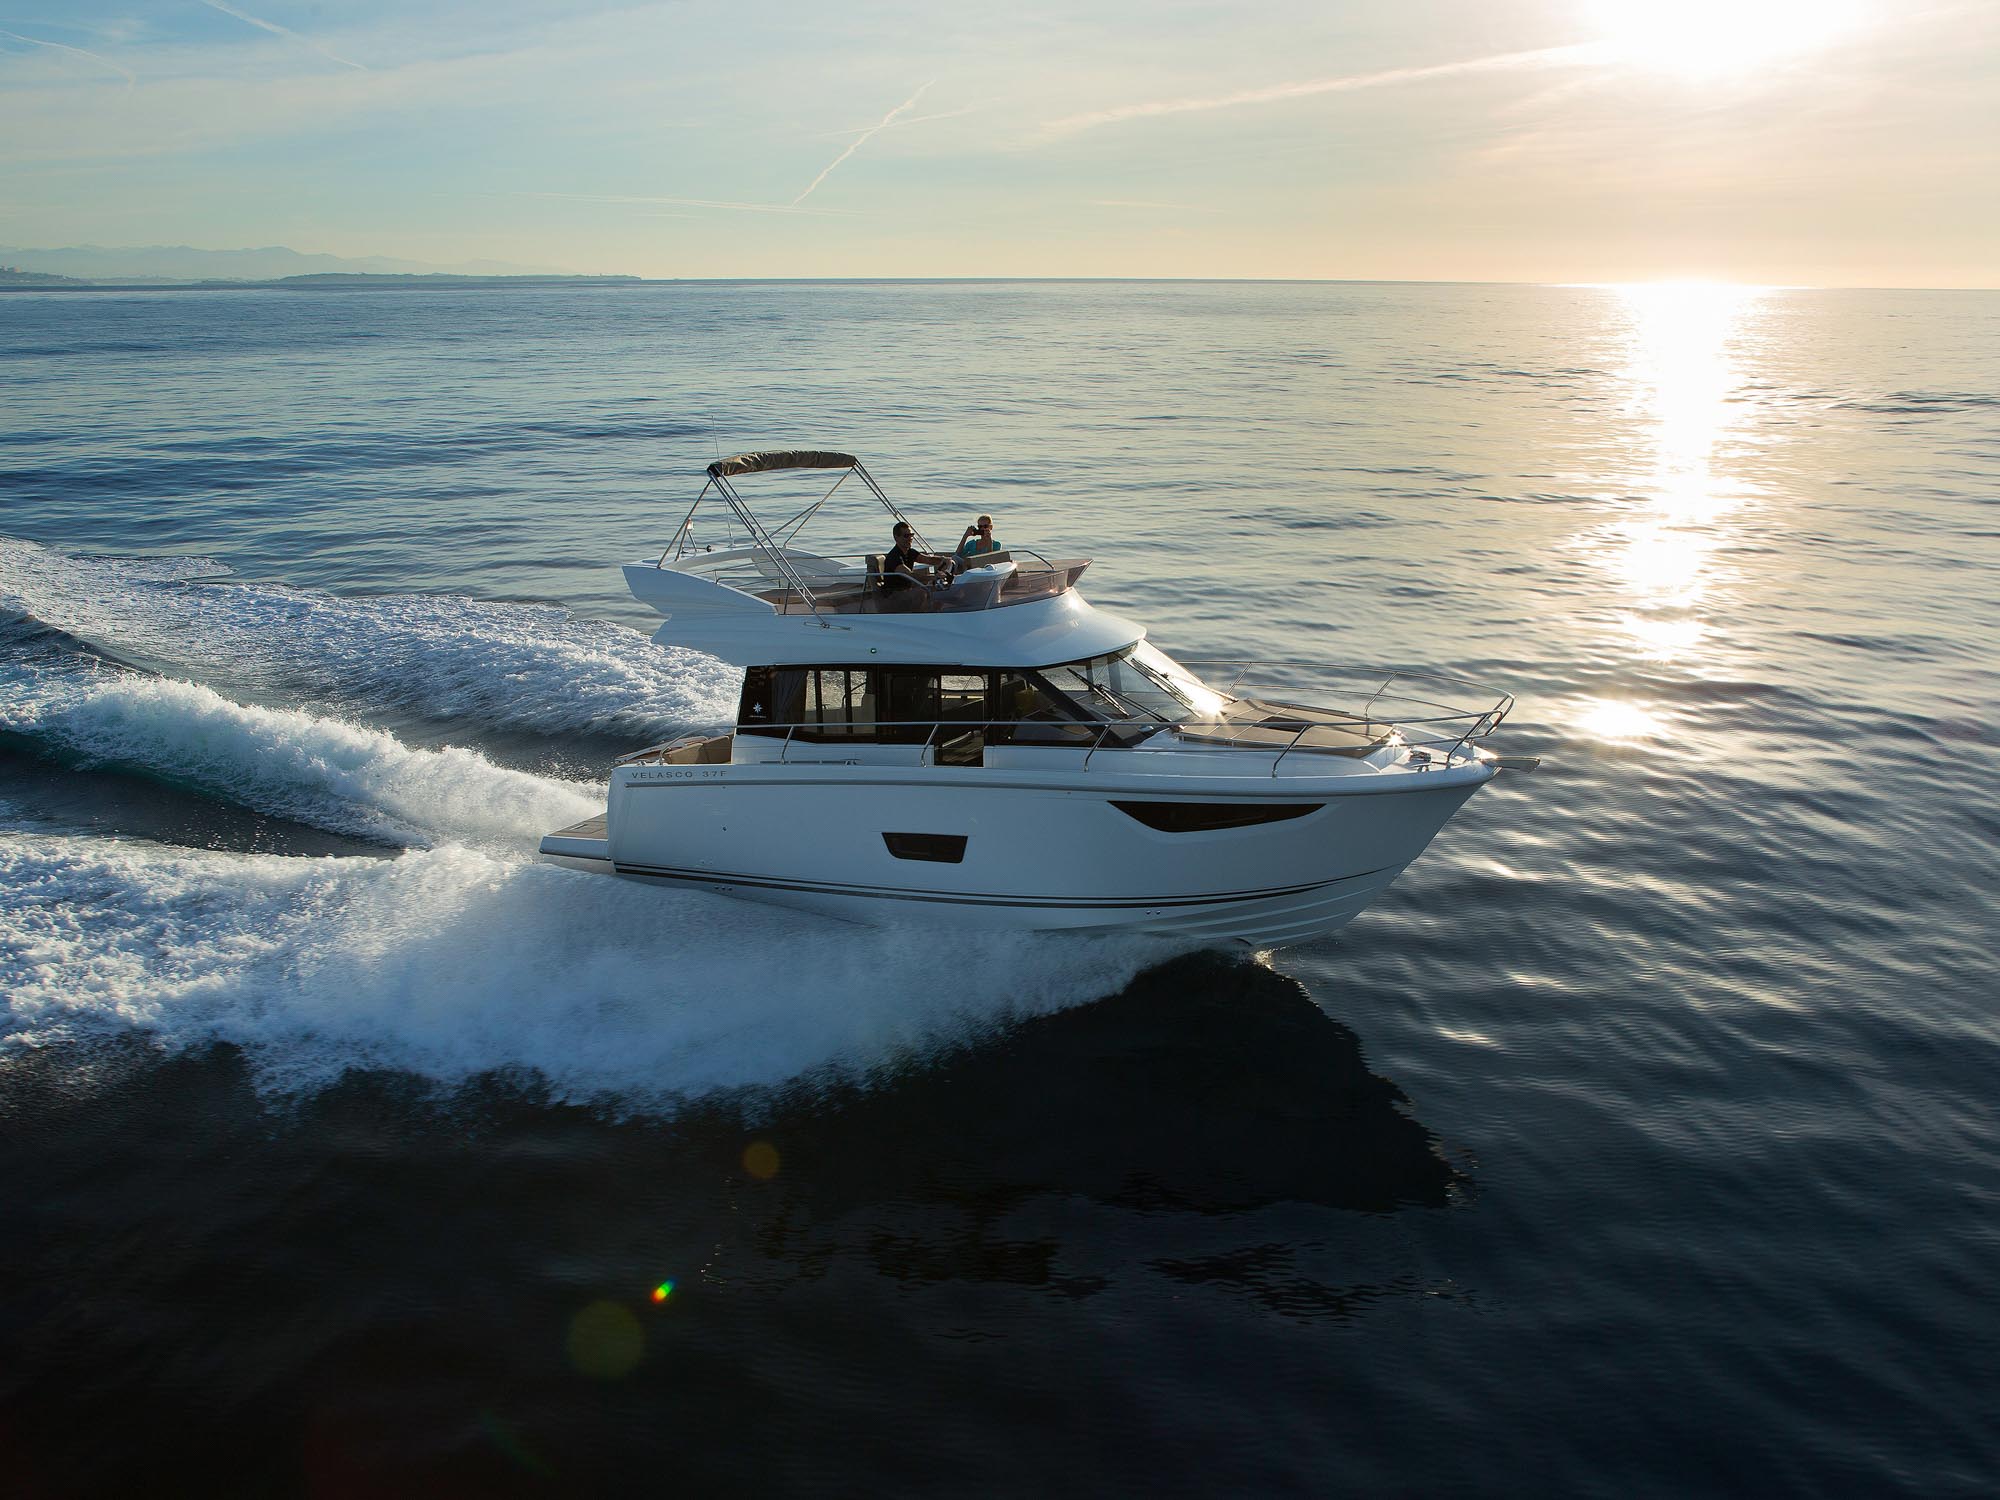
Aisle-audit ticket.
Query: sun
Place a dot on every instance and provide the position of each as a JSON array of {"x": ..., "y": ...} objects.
[{"x": 1715, "y": 38}]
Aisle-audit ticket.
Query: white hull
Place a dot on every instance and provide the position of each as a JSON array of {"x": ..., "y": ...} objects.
[{"x": 1035, "y": 856}]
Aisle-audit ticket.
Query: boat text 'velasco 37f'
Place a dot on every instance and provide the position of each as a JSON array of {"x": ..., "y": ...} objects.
[{"x": 979, "y": 746}]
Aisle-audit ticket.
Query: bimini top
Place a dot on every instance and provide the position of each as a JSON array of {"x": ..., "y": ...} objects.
[{"x": 768, "y": 463}]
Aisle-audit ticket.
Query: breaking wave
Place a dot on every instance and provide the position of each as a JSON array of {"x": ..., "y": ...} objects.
[{"x": 287, "y": 763}]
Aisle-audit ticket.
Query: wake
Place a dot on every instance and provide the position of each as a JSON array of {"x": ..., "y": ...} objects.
[
  {"x": 324, "y": 772},
  {"x": 459, "y": 958},
  {"x": 453, "y": 964},
  {"x": 515, "y": 666}
]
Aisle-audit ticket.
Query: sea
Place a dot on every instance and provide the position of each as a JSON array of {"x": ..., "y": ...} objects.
[{"x": 1642, "y": 1139}]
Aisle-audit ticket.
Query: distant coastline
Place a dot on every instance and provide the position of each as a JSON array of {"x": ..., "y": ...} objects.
[{"x": 13, "y": 280}]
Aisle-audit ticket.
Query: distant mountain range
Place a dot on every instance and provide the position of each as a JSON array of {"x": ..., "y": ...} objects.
[{"x": 170, "y": 263}]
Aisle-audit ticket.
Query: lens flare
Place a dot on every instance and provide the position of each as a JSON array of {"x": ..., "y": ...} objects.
[
  {"x": 605, "y": 1341},
  {"x": 663, "y": 1291},
  {"x": 760, "y": 1160}
]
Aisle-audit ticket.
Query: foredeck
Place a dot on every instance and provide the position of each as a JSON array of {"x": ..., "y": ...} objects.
[{"x": 1336, "y": 736}]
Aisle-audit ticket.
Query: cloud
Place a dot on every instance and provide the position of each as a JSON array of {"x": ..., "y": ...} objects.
[
  {"x": 35, "y": 41},
  {"x": 276, "y": 30},
  {"x": 859, "y": 141},
  {"x": 1504, "y": 62}
]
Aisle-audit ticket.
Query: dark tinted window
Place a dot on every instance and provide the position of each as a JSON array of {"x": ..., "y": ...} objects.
[
  {"x": 935, "y": 848},
  {"x": 841, "y": 703},
  {"x": 1205, "y": 817},
  {"x": 901, "y": 705}
]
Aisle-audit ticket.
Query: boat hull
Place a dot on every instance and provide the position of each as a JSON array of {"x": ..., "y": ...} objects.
[
  {"x": 1262, "y": 921},
  {"x": 951, "y": 850}
]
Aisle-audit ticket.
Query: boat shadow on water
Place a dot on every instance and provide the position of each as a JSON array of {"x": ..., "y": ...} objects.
[
  {"x": 389, "y": 1279},
  {"x": 1208, "y": 1085}
]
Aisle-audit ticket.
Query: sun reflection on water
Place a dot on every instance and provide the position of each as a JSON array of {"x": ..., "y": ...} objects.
[
  {"x": 1612, "y": 719},
  {"x": 1682, "y": 377}
]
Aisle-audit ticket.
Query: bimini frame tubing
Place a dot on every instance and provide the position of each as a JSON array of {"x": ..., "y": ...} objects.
[{"x": 767, "y": 539}]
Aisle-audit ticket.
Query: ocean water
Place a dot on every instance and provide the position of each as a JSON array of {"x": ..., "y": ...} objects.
[{"x": 1641, "y": 1140}]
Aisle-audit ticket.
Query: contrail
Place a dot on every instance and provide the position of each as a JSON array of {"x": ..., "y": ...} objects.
[
  {"x": 276, "y": 30},
  {"x": 855, "y": 144},
  {"x": 638, "y": 199},
  {"x": 35, "y": 41},
  {"x": 1541, "y": 57},
  {"x": 943, "y": 114}
]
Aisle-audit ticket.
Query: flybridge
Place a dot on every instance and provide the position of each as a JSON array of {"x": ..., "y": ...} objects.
[{"x": 765, "y": 565}]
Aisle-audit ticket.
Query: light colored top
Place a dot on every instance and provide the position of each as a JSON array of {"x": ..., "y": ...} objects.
[{"x": 972, "y": 546}]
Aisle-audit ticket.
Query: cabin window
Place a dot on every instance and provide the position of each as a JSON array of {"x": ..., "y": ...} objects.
[
  {"x": 754, "y": 706},
  {"x": 948, "y": 709},
  {"x": 962, "y": 697},
  {"x": 771, "y": 696},
  {"x": 960, "y": 709},
  {"x": 909, "y": 704},
  {"x": 1030, "y": 714},
  {"x": 841, "y": 703},
  {"x": 1136, "y": 683}
]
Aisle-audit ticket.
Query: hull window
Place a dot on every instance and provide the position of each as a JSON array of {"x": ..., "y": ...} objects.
[
  {"x": 1206, "y": 817},
  {"x": 935, "y": 848}
]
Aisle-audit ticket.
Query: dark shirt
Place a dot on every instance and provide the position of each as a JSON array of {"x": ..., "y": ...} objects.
[{"x": 898, "y": 558}]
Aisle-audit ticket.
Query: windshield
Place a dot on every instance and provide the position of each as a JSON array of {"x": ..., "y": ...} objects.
[{"x": 1139, "y": 682}]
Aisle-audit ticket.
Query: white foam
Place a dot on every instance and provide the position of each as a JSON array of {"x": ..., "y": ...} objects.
[
  {"x": 451, "y": 964},
  {"x": 316, "y": 770},
  {"x": 528, "y": 666}
]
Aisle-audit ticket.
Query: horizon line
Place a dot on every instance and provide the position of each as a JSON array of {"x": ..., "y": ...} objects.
[{"x": 628, "y": 279}]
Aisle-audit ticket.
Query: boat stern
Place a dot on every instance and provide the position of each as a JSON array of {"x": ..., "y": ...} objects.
[{"x": 581, "y": 846}]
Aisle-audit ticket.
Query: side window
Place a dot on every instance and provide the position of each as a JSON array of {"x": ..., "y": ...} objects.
[
  {"x": 887, "y": 705},
  {"x": 963, "y": 698},
  {"x": 916, "y": 700},
  {"x": 1031, "y": 715},
  {"x": 840, "y": 703},
  {"x": 1078, "y": 690},
  {"x": 754, "y": 707},
  {"x": 773, "y": 698},
  {"x": 1017, "y": 697},
  {"x": 909, "y": 704}
]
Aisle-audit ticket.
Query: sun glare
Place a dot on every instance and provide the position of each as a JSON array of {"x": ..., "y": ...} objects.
[
  {"x": 1681, "y": 486},
  {"x": 1716, "y": 38},
  {"x": 1610, "y": 719}
]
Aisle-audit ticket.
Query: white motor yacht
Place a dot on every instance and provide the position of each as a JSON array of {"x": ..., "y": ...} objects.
[{"x": 984, "y": 748}]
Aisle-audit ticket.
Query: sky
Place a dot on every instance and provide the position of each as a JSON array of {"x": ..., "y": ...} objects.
[{"x": 1793, "y": 142}]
